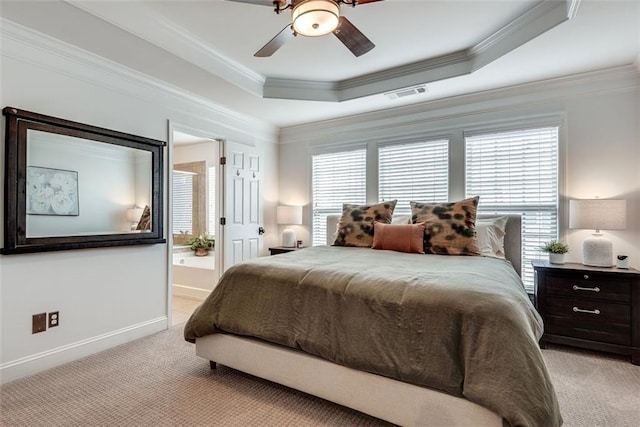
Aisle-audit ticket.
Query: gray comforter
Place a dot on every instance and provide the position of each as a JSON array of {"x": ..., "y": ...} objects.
[{"x": 462, "y": 325}]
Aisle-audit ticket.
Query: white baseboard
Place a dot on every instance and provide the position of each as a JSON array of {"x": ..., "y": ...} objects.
[
  {"x": 39, "y": 362},
  {"x": 190, "y": 292}
]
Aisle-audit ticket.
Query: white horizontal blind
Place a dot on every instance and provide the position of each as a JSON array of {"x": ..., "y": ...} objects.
[
  {"x": 414, "y": 171},
  {"x": 182, "y": 206},
  {"x": 211, "y": 194},
  {"x": 337, "y": 178},
  {"x": 517, "y": 172}
]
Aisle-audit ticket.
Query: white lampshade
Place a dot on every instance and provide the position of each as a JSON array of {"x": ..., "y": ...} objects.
[
  {"x": 134, "y": 214},
  {"x": 315, "y": 17},
  {"x": 598, "y": 214},
  {"x": 289, "y": 215}
]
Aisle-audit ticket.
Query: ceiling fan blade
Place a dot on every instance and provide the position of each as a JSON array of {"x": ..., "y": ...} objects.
[
  {"x": 359, "y": 1},
  {"x": 352, "y": 38},
  {"x": 275, "y": 43}
]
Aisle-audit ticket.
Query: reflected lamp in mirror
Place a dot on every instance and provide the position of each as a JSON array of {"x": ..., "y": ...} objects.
[
  {"x": 598, "y": 214},
  {"x": 289, "y": 215},
  {"x": 133, "y": 216}
]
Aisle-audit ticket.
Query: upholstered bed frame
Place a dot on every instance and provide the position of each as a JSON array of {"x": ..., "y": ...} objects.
[{"x": 391, "y": 400}]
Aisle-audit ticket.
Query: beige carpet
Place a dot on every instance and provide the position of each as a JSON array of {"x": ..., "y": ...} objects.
[{"x": 158, "y": 381}]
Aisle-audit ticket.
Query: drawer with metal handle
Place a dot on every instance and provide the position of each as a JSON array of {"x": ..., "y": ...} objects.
[
  {"x": 586, "y": 319},
  {"x": 589, "y": 287}
]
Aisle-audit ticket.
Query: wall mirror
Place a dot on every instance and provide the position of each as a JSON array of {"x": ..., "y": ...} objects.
[{"x": 71, "y": 186}]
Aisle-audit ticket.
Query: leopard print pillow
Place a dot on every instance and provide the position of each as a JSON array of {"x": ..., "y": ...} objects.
[
  {"x": 356, "y": 224},
  {"x": 450, "y": 228}
]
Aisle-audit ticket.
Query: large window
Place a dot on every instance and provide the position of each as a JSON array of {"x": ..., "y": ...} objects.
[
  {"x": 337, "y": 178},
  {"x": 182, "y": 207},
  {"x": 517, "y": 172},
  {"x": 513, "y": 171},
  {"x": 416, "y": 171},
  {"x": 189, "y": 199}
]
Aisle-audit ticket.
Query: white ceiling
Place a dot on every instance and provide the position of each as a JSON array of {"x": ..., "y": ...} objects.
[{"x": 206, "y": 47}]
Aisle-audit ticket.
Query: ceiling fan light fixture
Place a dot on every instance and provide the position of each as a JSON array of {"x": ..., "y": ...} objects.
[{"x": 315, "y": 17}]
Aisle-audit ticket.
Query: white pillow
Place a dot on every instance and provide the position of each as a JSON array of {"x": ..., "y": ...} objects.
[{"x": 490, "y": 233}]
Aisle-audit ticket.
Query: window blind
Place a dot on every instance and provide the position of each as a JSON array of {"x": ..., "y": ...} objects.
[
  {"x": 182, "y": 206},
  {"x": 211, "y": 194},
  {"x": 337, "y": 178},
  {"x": 517, "y": 172},
  {"x": 416, "y": 171}
]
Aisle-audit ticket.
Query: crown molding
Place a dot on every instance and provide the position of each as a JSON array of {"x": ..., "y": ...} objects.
[
  {"x": 534, "y": 22},
  {"x": 537, "y": 20},
  {"x": 192, "y": 48},
  {"x": 210, "y": 60},
  {"x": 540, "y": 18},
  {"x": 363, "y": 127},
  {"x": 38, "y": 49}
]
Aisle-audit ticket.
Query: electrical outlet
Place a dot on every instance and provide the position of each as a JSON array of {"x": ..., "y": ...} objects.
[
  {"x": 54, "y": 319},
  {"x": 39, "y": 323}
]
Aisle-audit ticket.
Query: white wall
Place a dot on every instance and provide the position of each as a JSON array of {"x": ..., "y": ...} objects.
[
  {"x": 111, "y": 295},
  {"x": 600, "y": 144},
  {"x": 203, "y": 151}
]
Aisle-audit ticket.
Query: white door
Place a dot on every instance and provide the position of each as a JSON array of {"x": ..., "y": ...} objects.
[{"x": 242, "y": 198}]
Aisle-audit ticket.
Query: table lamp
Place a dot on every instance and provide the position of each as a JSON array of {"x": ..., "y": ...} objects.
[
  {"x": 598, "y": 214},
  {"x": 133, "y": 216},
  {"x": 289, "y": 215}
]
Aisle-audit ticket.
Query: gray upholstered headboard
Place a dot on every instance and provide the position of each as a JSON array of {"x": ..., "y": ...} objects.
[{"x": 512, "y": 239}]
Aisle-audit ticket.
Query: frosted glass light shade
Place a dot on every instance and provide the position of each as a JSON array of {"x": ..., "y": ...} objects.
[
  {"x": 598, "y": 214},
  {"x": 315, "y": 17},
  {"x": 289, "y": 215}
]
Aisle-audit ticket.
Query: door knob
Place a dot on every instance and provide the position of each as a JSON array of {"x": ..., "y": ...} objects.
[{"x": 261, "y": 230}]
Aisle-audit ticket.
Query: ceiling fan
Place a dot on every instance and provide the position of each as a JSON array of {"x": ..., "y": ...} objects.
[{"x": 314, "y": 18}]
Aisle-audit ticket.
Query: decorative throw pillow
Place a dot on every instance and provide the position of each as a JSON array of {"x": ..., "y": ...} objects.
[
  {"x": 398, "y": 237},
  {"x": 145, "y": 220},
  {"x": 356, "y": 224},
  {"x": 449, "y": 227},
  {"x": 490, "y": 233}
]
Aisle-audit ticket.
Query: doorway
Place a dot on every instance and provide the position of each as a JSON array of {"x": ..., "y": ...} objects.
[{"x": 194, "y": 221}]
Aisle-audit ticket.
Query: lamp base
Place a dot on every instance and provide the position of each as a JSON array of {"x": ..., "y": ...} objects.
[
  {"x": 288, "y": 238},
  {"x": 597, "y": 252}
]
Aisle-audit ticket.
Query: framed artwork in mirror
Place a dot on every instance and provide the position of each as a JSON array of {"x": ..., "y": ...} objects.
[
  {"x": 51, "y": 191},
  {"x": 70, "y": 185}
]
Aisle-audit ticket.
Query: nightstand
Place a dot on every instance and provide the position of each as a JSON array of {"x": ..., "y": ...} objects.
[
  {"x": 589, "y": 307},
  {"x": 281, "y": 250}
]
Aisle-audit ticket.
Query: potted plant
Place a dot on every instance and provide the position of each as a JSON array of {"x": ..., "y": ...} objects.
[
  {"x": 201, "y": 244},
  {"x": 556, "y": 251}
]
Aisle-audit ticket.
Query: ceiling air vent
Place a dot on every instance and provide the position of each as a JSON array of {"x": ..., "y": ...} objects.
[{"x": 409, "y": 91}]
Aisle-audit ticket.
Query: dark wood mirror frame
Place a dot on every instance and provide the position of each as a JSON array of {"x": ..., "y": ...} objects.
[{"x": 16, "y": 238}]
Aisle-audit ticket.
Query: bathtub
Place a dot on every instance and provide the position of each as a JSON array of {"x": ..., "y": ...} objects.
[
  {"x": 188, "y": 259},
  {"x": 193, "y": 276}
]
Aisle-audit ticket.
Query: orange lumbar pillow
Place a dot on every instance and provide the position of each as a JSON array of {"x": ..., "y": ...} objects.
[{"x": 398, "y": 237}]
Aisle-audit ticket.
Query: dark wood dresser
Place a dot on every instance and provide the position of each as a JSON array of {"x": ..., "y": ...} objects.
[{"x": 589, "y": 307}]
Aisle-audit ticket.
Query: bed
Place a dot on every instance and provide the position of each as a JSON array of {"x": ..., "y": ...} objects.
[{"x": 341, "y": 323}]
